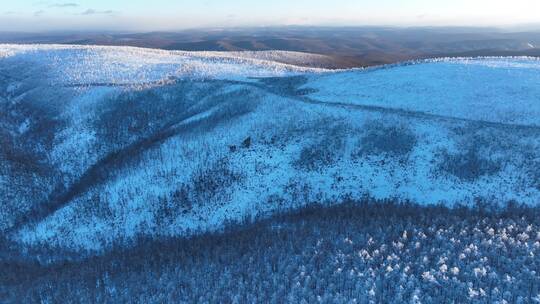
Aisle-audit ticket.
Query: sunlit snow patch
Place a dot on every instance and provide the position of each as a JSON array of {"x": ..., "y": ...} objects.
[
  {"x": 497, "y": 90},
  {"x": 101, "y": 65}
]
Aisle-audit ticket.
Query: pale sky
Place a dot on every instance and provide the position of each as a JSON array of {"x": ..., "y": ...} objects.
[{"x": 149, "y": 15}]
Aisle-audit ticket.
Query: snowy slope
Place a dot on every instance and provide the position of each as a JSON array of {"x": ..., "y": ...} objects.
[
  {"x": 83, "y": 65},
  {"x": 125, "y": 142},
  {"x": 499, "y": 90}
]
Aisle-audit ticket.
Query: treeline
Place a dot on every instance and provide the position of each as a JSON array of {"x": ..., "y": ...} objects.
[{"x": 353, "y": 253}]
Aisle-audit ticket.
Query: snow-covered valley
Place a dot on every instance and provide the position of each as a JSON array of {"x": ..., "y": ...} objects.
[{"x": 104, "y": 145}]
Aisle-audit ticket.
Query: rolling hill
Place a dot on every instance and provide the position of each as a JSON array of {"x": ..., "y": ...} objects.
[
  {"x": 106, "y": 145},
  {"x": 344, "y": 47}
]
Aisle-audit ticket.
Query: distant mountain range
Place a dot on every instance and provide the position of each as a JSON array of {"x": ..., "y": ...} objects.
[{"x": 347, "y": 46}]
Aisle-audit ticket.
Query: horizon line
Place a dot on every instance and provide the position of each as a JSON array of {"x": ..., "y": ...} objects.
[{"x": 519, "y": 27}]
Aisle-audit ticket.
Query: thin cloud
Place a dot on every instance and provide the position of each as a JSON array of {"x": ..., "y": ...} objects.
[
  {"x": 96, "y": 12},
  {"x": 64, "y": 5},
  {"x": 39, "y": 13}
]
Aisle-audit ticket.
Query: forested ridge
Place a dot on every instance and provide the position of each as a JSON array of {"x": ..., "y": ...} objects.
[{"x": 354, "y": 253}]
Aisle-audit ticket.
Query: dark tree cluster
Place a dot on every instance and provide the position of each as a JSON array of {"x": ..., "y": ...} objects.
[{"x": 352, "y": 253}]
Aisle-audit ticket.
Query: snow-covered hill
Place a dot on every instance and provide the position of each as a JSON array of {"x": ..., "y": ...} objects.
[
  {"x": 105, "y": 144},
  {"x": 498, "y": 90}
]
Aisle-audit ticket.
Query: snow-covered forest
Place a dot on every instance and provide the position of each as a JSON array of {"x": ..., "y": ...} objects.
[
  {"x": 366, "y": 252},
  {"x": 125, "y": 165}
]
